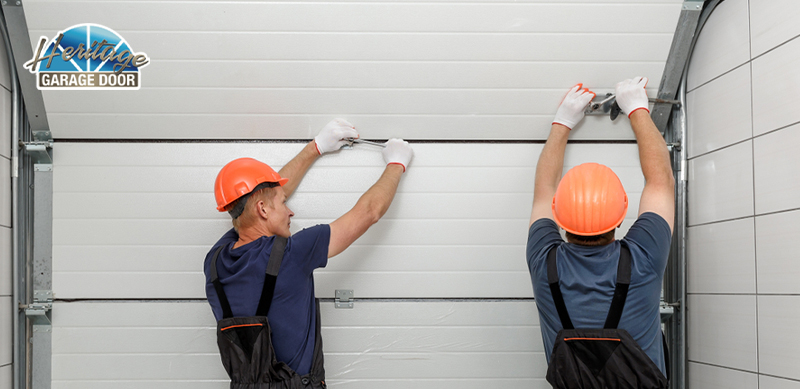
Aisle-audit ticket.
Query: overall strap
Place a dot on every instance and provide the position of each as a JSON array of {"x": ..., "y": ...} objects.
[
  {"x": 558, "y": 299},
  {"x": 271, "y": 276},
  {"x": 621, "y": 291},
  {"x": 223, "y": 299}
]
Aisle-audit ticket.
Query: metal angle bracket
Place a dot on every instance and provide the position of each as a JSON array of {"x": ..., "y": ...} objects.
[
  {"x": 344, "y": 299},
  {"x": 40, "y": 151},
  {"x": 38, "y": 310},
  {"x": 693, "y": 5}
]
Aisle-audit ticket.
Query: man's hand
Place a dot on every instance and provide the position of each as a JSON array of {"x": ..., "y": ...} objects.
[
  {"x": 398, "y": 151},
  {"x": 570, "y": 112},
  {"x": 631, "y": 95},
  {"x": 333, "y": 135}
]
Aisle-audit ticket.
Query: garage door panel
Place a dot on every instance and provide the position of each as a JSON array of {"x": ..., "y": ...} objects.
[
  {"x": 246, "y": 126},
  {"x": 344, "y": 17},
  {"x": 172, "y": 343}
]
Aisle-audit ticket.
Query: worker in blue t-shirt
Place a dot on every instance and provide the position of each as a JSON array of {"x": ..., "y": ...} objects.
[
  {"x": 255, "y": 196},
  {"x": 590, "y": 203}
]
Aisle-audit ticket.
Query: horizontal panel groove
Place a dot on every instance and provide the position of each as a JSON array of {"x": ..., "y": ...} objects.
[
  {"x": 359, "y": 88},
  {"x": 551, "y": 2},
  {"x": 416, "y": 354},
  {"x": 121, "y": 328},
  {"x": 322, "y": 299},
  {"x": 216, "y": 354},
  {"x": 300, "y": 219},
  {"x": 420, "y": 61},
  {"x": 590, "y": 34},
  {"x": 444, "y": 141}
]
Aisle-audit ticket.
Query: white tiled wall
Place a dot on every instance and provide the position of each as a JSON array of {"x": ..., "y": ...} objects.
[{"x": 744, "y": 198}]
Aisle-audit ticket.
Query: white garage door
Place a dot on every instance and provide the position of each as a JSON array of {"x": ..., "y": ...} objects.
[{"x": 445, "y": 299}]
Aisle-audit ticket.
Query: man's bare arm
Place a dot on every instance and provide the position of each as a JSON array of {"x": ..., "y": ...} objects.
[
  {"x": 296, "y": 169},
  {"x": 548, "y": 172},
  {"x": 374, "y": 202},
  {"x": 332, "y": 137},
  {"x": 658, "y": 195},
  {"x": 551, "y": 161},
  {"x": 372, "y": 205}
]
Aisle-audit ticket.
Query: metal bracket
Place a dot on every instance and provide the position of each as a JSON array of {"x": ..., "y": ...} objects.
[
  {"x": 40, "y": 151},
  {"x": 12, "y": 3},
  {"x": 693, "y": 5},
  {"x": 344, "y": 298},
  {"x": 607, "y": 105},
  {"x": 668, "y": 309},
  {"x": 38, "y": 309}
]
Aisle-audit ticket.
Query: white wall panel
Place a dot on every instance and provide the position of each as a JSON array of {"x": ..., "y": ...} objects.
[
  {"x": 722, "y": 331},
  {"x": 417, "y": 46},
  {"x": 5, "y": 192},
  {"x": 704, "y": 376},
  {"x": 5, "y": 123},
  {"x": 778, "y": 268},
  {"x": 457, "y": 228},
  {"x": 774, "y": 75},
  {"x": 778, "y": 319},
  {"x": 5, "y": 75},
  {"x": 719, "y": 118},
  {"x": 6, "y": 330},
  {"x": 5, "y": 262},
  {"x": 720, "y": 257},
  {"x": 721, "y": 185},
  {"x": 777, "y": 184},
  {"x": 767, "y": 382},
  {"x": 302, "y": 126},
  {"x": 772, "y": 22},
  {"x": 7, "y": 376},
  {"x": 347, "y": 17},
  {"x": 723, "y": 44},
  {"x": 422, "y": 344},
  {"x": 425, "y": 70},
  {"x": 392, "y": 74}
]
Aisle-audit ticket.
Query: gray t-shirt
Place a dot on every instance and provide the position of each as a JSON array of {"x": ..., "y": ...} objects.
[{"x": 588, "y": 276}]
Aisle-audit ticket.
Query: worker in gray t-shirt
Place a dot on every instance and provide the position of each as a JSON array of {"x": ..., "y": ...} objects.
[{"x": 589, "y": 203}]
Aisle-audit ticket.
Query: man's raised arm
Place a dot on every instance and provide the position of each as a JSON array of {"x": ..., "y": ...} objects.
[
  {"x": 374, "y": 203},
  {"x": 658, "y": 195},
  {"x": 331, "y": 138},
  {"x": 551, "y": 161}
]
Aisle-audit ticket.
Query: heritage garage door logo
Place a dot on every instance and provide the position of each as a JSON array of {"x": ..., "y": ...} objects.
[{"x": 87, "y": 56}]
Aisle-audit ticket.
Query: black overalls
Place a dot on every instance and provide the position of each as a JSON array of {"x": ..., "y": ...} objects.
[
  {"x": 600, "y": 358},
  {"x": 245, "y": 343}
]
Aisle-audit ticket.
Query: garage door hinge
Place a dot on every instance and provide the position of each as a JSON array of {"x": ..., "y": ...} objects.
[
  {"x": 344, "y": 298},
  {"x": 41, "y": 305}
]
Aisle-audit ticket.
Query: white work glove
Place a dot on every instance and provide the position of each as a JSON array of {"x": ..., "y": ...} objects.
[
  {"x": 570, "y": 112},
  {"x": 632, "y": 96},
  {"x": 397, "y": 151},
  {"x": 332, "y": 137}
]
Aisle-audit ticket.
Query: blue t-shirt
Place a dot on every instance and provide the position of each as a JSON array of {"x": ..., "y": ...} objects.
[
  {"x": 588, "y": 277},
  {"x": 292, "y": 314}
]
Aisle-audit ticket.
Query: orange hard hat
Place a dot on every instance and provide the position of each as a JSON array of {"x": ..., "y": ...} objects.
[
  {"x": 590, "y": 200},
  {"x": 240, "y": 177}
]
